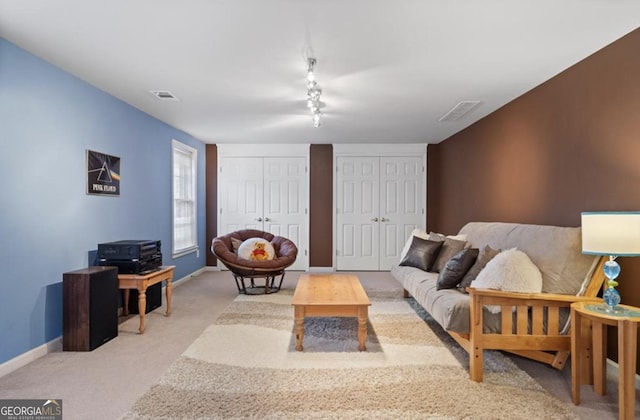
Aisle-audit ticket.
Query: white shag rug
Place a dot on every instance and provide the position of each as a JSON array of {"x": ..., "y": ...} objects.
[{"x": 245, "y": 366}]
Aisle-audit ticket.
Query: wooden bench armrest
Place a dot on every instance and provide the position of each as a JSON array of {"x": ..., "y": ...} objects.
[{"x": 495, "y": 295}]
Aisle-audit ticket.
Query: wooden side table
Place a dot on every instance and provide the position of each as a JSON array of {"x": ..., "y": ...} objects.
[
  {"x": 627, "y": 324},
  {"x": 141, "y": 282}
]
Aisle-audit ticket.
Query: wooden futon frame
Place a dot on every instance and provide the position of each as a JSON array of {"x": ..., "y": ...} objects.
[{"x": 533, "y": 329}]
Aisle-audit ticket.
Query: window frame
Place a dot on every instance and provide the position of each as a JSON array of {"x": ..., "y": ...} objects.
[{"x": 179, "y": 147}]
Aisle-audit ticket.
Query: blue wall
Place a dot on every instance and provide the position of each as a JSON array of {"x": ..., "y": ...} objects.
[{"x": 48, "y": 224}]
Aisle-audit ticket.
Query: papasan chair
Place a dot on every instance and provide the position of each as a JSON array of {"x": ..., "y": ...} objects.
[{"x": 243, "y": 269}]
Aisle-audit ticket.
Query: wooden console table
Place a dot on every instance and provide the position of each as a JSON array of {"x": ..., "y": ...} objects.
[
  {"x": 627, "y": 324},
  {"x": 141, "y": 282}
]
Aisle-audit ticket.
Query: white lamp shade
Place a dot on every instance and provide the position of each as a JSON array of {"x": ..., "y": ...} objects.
[{"x": 611, "y": 233}]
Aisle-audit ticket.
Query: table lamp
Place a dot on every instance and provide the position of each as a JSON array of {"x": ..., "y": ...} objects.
[{"x": 612, "y": 233}]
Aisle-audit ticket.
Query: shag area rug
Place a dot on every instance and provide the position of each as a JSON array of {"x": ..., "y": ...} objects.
[{"x": 245, "y": 366}]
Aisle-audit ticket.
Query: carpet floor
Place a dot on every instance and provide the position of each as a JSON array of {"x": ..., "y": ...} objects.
[{"x": 245, "y": 365}]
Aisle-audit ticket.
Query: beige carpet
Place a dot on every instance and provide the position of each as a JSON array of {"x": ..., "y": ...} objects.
[{"x": 245, "y": 366}]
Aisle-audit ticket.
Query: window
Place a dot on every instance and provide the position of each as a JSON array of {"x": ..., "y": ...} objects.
[{"x": 184, "y": 199}]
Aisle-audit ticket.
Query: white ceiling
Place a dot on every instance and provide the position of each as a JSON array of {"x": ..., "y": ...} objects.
[{"x": 389, "y": 69}]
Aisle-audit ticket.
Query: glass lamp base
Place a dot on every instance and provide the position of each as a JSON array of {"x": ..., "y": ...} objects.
[{"x": 611, "y": 297}]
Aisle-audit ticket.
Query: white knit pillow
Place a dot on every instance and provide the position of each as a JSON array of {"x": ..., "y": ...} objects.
[
  {"x": 511, "y": 271},
  {"x": 256, "y": 249}
]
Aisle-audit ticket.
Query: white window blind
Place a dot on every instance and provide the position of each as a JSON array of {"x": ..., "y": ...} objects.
[{"x": 184, "y": 199}]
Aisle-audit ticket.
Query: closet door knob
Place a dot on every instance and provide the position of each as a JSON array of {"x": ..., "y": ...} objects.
[
  {"x": 259, "y": 219},
  {"x": 375, "y": 219},
  {"x": 384, "y": 219},
  {"x": 266, "y": 219}
]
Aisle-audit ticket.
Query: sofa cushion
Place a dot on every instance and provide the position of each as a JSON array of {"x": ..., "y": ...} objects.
[
  {"x": 485, "y": 256},
  {"x": 556, "y": 251},
  {"x": 448, "y": 307},
  {"x": 441, "y": 236},
  {"x": 235, "y": 244},
  {"x": 450, "y": 247},
  {"x": 455, "y": 269},
  {"x": 421, "y": 254}
]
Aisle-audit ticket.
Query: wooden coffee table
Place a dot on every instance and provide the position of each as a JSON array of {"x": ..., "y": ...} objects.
[{"x": 330, "y": 295}]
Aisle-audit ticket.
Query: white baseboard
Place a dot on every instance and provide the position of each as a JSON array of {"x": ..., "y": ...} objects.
[
  {"x": 28, "y": 357},
  {"x": 56, "y": 344},
  {"x": 213, "y": 268},
  {"x": 321, "y": 269},
  {"x": 188, "y": 277}
]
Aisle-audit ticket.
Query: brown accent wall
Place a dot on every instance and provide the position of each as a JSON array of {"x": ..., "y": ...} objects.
[
  {"x": 321, "y": 205},
  {"x": 211, "y": 200},
  {"x": 433, "y": 186},
  {"x": 570, "y": 145}
]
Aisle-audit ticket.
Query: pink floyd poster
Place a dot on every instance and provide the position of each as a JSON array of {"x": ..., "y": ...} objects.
[{"x": 103, "y": 174}]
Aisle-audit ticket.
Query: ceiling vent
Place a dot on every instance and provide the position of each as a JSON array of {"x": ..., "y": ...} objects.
[
  {"x": 460, "y": 110},
  {"x": 164, "y": 95}
]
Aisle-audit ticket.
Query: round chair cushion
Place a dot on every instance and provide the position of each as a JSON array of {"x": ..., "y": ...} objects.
[
  {"x": 285, "y": 253},
  {"x": 256, "y": 249}
]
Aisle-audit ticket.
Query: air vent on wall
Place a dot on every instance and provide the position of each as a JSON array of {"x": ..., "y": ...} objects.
[
  {"x": 164, "y": 95},
  {"x": 460, "y": 110}
]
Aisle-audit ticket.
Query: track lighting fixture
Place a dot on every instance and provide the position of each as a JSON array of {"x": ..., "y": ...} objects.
[{"x": 313, "y": 92}]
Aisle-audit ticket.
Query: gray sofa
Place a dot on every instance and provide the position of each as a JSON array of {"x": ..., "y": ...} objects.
[{"x": 556, "y": 251}]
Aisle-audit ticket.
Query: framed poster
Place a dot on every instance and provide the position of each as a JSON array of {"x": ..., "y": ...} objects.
[{"x": 103, "y": 174}]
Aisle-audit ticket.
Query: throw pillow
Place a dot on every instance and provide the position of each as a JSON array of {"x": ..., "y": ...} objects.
[
  {"x": 455, "y": 269},
  {"x": 511, "y": 271},
  {"x": 416, "y": 232},
  {"x": 256, "y": 249},
  {"x": 235, "y": 244},
  {"x": 485, "y": 256},
  {"x": 421, "y": 254},
  {"x": 450, "y": 247}
]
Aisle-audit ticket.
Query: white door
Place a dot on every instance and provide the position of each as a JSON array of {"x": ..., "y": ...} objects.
[
  {"x": 357, "y": 215},
  {"x": 268, "y": 194},
  {"x": 400, "y": 205},
  {"x": 241, "y": 194},
  {"x": 379, "y": 203},
  {"x": 285, "y": 203}
]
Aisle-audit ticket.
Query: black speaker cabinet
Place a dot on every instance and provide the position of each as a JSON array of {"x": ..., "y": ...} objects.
[
  {"x": 154, "y": 298},
  {"x": 90, "y": 308}
]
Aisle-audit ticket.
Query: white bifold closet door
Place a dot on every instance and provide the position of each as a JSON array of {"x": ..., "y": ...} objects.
[
  {"x": 379, "y": 203},
  {"x": 268, "y": 194}
]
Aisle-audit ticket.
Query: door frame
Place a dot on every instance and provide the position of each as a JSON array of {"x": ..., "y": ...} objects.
[
  {"x": 374, "y": 150},
  {"x": 267, "y": 151}
]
